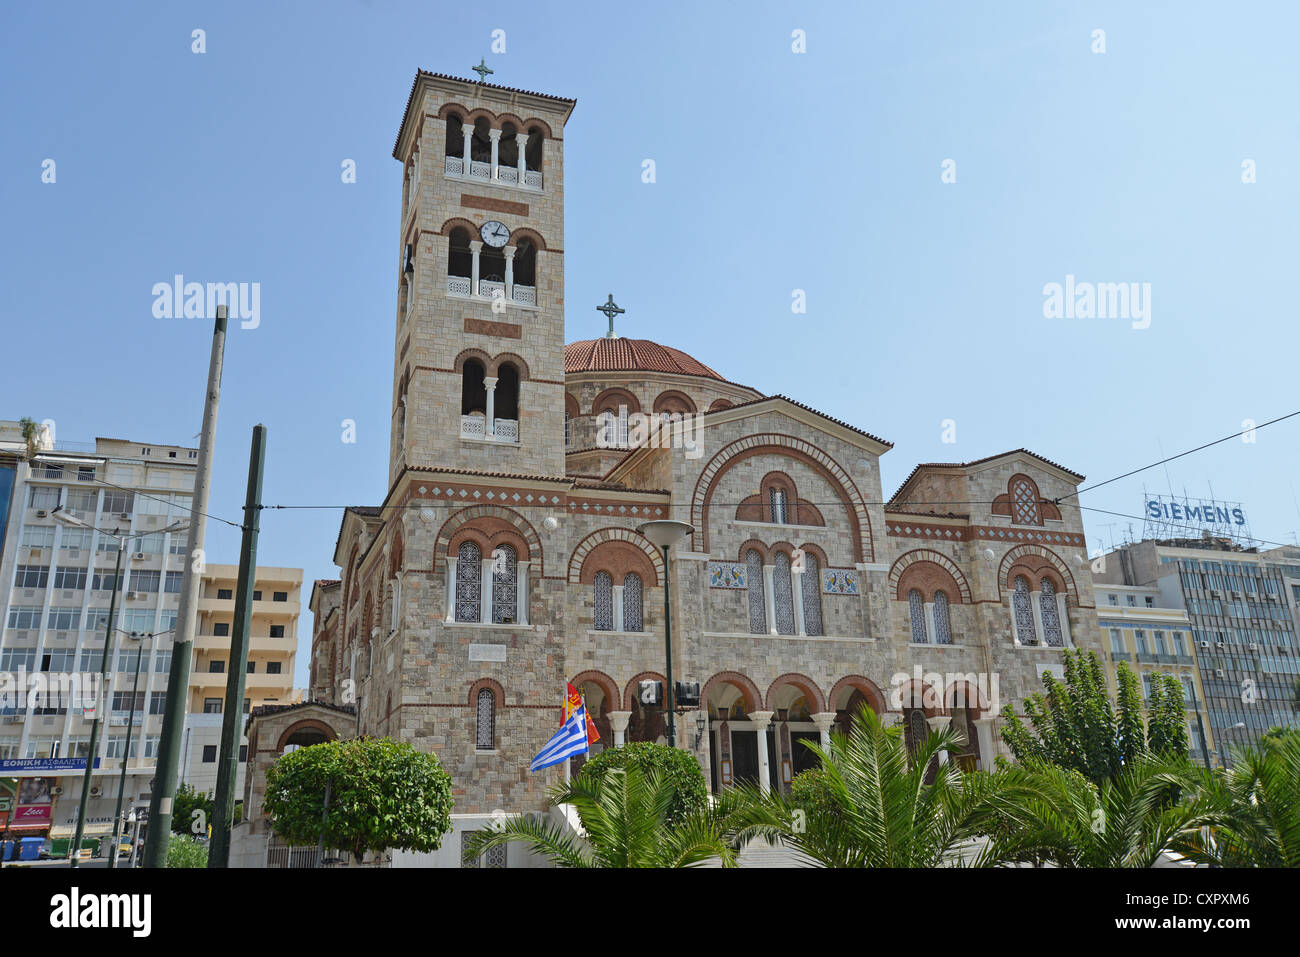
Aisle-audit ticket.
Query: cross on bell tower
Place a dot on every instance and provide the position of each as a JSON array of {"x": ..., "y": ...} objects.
[
  {"x": 483, "y": 70},
  {"x": 610, "y": 309}
]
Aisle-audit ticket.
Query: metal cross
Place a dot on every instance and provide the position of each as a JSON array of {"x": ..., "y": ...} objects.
[
  {"x": 482, "y": 69},
  {"x": 610, "y": 310}
]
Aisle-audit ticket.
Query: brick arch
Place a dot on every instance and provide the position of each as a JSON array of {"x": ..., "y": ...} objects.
[
  {"x": 516, "y": 360},
  {"x": 523, "y": 232},
  {"x": 498, "y": 692},
  {"x": 306, "y": 724},
  {"x": 870, "y": 690},
  {"x": 1024, "y": 555},
  {"x": 754, "y": 544},
  {"x": 975, "y": 700},
  {"x": 571, "y": 407},
  {"x": 913, "y": 694},
  {"x": 753, "y": 697},
  {"x": 606, "y": 684},
  {"x": 504, "y": 118},
  {"x": 449, "y": 225},
  {"x": 630, "y": 690},
  {"x": 458, "y": 364},
  {"x": 816, "y": 552},
  {"x": 1034, "y": 572},
  {"x": 719, "y": 404},
  {"x": 396, "y": 555},
  {"x": 474, "y": 513},
  {"x": 578, "y": 559},
  {"x": 674, "y": 396},
  {"x": 489, "y": 534},
  {"x": 929, "y": 577},
  {"x": 367, "y": 617},
  {"x": 472, "y": 117},
  {"x": 1004, "y": 505},
  {"x": 804, "y": 684},
  {"x": 632, "y": 402},
  {"x": 782, "y": 546},
  {"x": 537, "y": 121},
  {"x": 780, "y": 444},
  {"x": 453, "y": 107},
  {"x": 618, "y": 558}
]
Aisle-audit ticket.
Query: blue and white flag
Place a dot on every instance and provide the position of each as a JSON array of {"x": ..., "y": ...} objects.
[{"x": 571, "y": 739}]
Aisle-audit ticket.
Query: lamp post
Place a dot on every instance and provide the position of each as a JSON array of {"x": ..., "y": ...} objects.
[
  {"x": 66, "y": 519},
  {"x": 130, "y": 729},
  {"x": 665, "y": 533}
]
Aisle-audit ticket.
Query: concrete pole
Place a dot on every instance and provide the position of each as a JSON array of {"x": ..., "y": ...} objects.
[{"x": 178, "y": 680}]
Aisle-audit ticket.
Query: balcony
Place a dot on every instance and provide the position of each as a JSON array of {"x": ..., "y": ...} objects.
[
  {"x": 476, "y": 427},
  {"x": 454, "y": 168},
  {"x": 459, "y": 287}
]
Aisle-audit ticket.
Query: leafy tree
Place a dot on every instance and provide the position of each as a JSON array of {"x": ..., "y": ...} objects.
[
  {"x": 383, "y": 794},
  {"x": 31, "y": 432},
  {"x": 680, "y": 770},
  {"x": 184, "y": 851},
  {"x": 625, "y": 817},
  {"x": 869, "y": 805},
  {"x": 1074, "y": 726},
  {"x": 1258, "y": 800},
  {"x": 1059, "y": 815}
]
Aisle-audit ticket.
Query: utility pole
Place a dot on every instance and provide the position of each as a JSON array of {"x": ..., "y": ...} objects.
[
  {"x": 178, "y": 680},
  {"x": 232, "y": 718}
]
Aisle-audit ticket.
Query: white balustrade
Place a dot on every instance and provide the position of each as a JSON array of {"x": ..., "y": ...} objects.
[
  {"x": 458, "y": 286},
  {"x": 525, "y": 294},
  {"x": 487, "y": 288},
  {"x": 455, "y": 165}
]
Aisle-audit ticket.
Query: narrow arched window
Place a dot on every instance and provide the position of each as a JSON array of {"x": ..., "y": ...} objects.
[
  {"x": 1047, "y": 611},
  {"x": 506, "y": 403},
  {"x": 1024, "y": 612},
  {"x": 757, "y": 604},
  {"x": 486, "y": 714},
  {"x": 505, "y": 585},
  {"x": 473, "y": 390},
  {"x": 460, "y": 260},
  {"x": 603, "y": 616},
  {"x": 942, "y": 625},
  {"x": 783, "y": 594},
  {"x": 811, "y": 593},
  {"x": 776, "y": 503},
  {"x": 469, "y": 582},
  {"x": 916, "y": 610},
  {"x": 632, "y": 619},
  {"x": 1024, "y": 502}
]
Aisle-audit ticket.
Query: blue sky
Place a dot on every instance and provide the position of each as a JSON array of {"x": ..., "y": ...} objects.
[{"x": 776, "y": 171}]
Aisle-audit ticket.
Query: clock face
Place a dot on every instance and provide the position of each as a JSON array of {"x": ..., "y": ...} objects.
[{"x": 495, "y": 234}]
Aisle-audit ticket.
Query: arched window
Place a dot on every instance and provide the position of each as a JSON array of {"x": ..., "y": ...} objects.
[
  {"x": 757, "y": 605},
  {"x": 1024, "y": 612},
  {"x": 455, "y": 138},
  {"x": 480, "y": 144},
  {"x": 525, "y": 265},
  {"x": 486, "y": 730},
  {"x": 460, "y": 261},
  {"x": 469, "y": 581},
  {"x": 632, "y": 602},
  {"x": 1024, "y": 502},
  {"x": 916, "y": 610},
  {"x": 473, "y": 392},
  {"x": 776, "y": 503},
  {"x": 508, "y": 148},
  {"x": 783, "y": 594},
  {"x": 568, "y": 431},
  {"x": 1047, "y": 611},
  {"x": 810, "y": 588},
  {"x": 505, "y": 585},
  {"x": 506, "y": 400},
  {"x": 942, "y": 625},
  {"x": 603, "y": 616},
  {"x": 533, "y": 152},
  {"x": 916, "y": 729}
]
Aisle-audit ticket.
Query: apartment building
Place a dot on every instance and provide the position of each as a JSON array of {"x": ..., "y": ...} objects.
[{"x": 273, "y": 649}]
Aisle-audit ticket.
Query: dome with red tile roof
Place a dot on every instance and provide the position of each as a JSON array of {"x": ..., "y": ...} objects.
[{"x": 631, "y": 355}]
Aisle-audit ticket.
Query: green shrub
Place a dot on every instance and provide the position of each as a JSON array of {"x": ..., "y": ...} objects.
[
  {"x": 679, "y": 767},
  {"x": 185, "y": 851}
]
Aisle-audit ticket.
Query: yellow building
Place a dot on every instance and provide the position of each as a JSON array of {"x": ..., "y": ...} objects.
[
  {"x": 1154, "y": 640},
  {"x": 273, "y": 649}
]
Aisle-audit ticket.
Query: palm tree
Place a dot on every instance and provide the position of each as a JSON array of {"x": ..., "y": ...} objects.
[
  {"x": 875, "y": 807},
  {"x": 1259, "y": 807},
  {"x": 1130, "y": 820},
  {"x": 624, "y": 816}
]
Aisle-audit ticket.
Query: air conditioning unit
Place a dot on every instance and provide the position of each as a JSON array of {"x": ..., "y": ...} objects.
[
  {"x": 1205, "y": 645},
  {"x": 95, "y": 790},
  {"x": 41, "y": 513},
  {"x": 1219, "y": 643},
  {"x": 139, "y": 556},
  {"x": 124, "y": 516},
  {"x": 1253, "y": 646},
  {"x": 1220, "y": 673},
  {"x": 56, "y": 790},
  {"x": 131, "y": 596}
]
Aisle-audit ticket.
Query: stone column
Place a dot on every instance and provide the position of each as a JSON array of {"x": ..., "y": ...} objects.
[
  {"x": 1064, "y": 619},
  {"x": 1037, "y": 609},
  {"x": 451, "y": 590},
  {"x": 490, "y": 383},
  {"x": 769, "y": 599},
  {"x": 930, "y": 635},
  {"x": 796, "y": 599},
  {"x": 475, "y": 247},
  {"x": 510, "y": 272},
  {"x": 495, "y": 135},
  {"x": 937, "y": 724},
  {"x": 761, "y": 720},
  {"x": 616, "y": 609},
  {"x": 985, "y": 729},
  {"x": 618, "y": 724},
  {"x": 824, "y": 720},
  {"x": 521, "y": 164},
  {"x": 485, "y": 591},
  {"x": 467, "y": 131},
  {"x": 521, "y": 593}
]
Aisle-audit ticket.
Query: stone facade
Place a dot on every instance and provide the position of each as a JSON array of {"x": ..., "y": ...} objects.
[{"x": 796, "y": 599}]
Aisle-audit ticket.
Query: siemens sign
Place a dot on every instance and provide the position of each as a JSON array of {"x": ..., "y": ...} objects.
[{"x": 1205, "y": 512}]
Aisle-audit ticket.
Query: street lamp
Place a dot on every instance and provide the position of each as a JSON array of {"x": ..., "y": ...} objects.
[
  {"x": 130, "y": 730},
  {"x": 64, "y": 518},
  {"x": 665, "y": 533}
]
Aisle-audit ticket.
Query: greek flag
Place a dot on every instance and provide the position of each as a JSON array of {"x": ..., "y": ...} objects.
[{"x": 571, "y": 739}]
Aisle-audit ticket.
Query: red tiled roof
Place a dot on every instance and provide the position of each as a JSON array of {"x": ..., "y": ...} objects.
[{"x": 631, "y": 355}]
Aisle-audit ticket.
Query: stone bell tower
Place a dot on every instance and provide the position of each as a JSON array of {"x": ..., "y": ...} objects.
[{"x": 478, "y": 366}]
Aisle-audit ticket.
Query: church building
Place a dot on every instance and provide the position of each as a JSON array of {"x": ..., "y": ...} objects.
[{"x": 505, "y": 558}]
